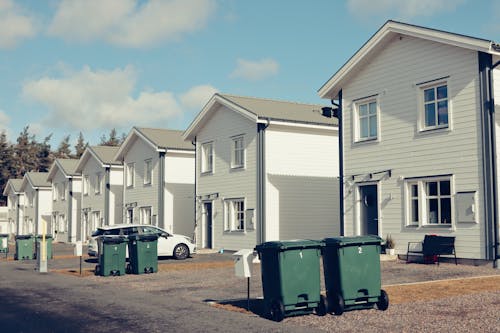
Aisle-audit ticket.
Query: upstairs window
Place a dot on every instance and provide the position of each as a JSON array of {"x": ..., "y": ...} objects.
[
  {"x": 130, "y": 174},
  {"x": 62, "y": 191},
  {"x": 435, "y": 106},
  {"x": 148, "y": 172},
  {"x": 55, "y": 192},
  {"x": 367, "y": 121},
  {"x": 207, "y": 157},
  {"x": 98, "y": 183},
  {"x": 145, "y": 215},
  {"x": 86, "y": 185},
  {"x": 238, "y": 153}
]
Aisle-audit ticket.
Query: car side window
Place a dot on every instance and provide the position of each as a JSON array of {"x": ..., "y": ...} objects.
[
  {"x": 130, "y": 231},
  {"x": 151, "y": 230},
  {"x": 112, "y": 232}
]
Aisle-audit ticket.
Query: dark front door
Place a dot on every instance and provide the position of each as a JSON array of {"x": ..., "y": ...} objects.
[
  {"x": 208, "y": 224},
  {"x": 369, "y": 210}
]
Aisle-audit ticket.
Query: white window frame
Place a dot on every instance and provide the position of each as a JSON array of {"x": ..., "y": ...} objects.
[
  {"x": 130, "y": 175},
  {"x": 207, "y": 157},
  {"x": 424, "y": 202},
  {"x": 238, "y": 152},
  {"x": 357, "y": 119},
  {"x": 86, "y": 185},
  {"x": 61, "y": 223},
  {"x": 62, "y": 193},
  {"x": 129, "y": 213},
  {"x": 145, "y": 219},
  {"x": 98, "y": 183},
  {"x": 55, "y": 192},
  {"x": 148, "y": 172},
  {"x": 234, "y": 215},
  {"x": 422, "y": 105}
]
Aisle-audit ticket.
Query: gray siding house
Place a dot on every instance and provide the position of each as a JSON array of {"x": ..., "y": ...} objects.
[
  {"x": 66, "y": 194},
  {"x": 158, "y": 179},
  {"x": 420, "y": 138},
  {"x": 265, "y": 170},
  {"x": 38, "y": 202},
  {"x": 102, "y": 189},
  {"x": 15, "y": 205}
]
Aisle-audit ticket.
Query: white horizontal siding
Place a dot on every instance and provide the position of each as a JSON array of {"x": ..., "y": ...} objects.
[
  {"x": 228, "y": 183},
  {"x": 392, "y": 75}
]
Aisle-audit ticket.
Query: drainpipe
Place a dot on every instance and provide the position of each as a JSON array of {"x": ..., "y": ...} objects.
[
  {"x": 161, "y": 194},
  {"x": 496, "y": 241},
  {"x": 261, "y": 181},
  {"x": 195, "y": 226},
  {"x": 107, "y": 189},
  {"x": 341, "y": 163}
]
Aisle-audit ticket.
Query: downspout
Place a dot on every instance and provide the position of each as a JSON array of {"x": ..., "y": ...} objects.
[
  {"x": 37, "y": 218},
  {"x": 70, "y": 210},
  {"x": 161, "y": 194},
  {"x": 261, "y": 181},
  {"x": 107, "y": 189},
  {"x": 341, "y": 163},
  {"x": 195, "y": 188},
  {"x": 496, "y": 241}
]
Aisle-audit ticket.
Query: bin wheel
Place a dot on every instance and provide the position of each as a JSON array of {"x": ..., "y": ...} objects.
[
  {"x": 322, "y": 308},
  {"x": 128, "y": 270},
  {"x": 181, "y": 251},
  {"x": 383, "y": 301},
  {"x": 151, "y": 270},
  {"x": 97, "y": 270},
  {"x": 338, "y": 305},
  {"x": 118, "y": 273},
  {"x": 276, "y": 310}
]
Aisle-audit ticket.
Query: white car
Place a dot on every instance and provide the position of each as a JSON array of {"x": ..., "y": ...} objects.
[{"x": 177, "y": 246}]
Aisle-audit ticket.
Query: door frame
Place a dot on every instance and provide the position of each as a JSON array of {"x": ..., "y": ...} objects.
[
  {"x": 357, "y": 200},
  {"x": 204, "y": 239}
]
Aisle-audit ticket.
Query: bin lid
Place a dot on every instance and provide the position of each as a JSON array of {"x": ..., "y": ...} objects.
[
  {"x": 288, "y": 245},
  {"x": 353, "y": 240},
  {"x": 143, "y": 237},
  {"x": 4, "y": 235},
  {"x": 23, "y": 236},
  {"x": 113, "y": 239},
  {"x": 46, "y": 236}
]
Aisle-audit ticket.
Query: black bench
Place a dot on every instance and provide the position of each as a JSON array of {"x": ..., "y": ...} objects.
[{"x": 433, "y": 245}]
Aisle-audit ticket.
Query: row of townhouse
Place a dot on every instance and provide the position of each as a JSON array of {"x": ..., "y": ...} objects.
[{"x": 409, "y": 147}]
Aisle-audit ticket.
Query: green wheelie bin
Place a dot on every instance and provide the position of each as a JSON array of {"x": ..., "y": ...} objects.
[
  {"x": 4, "y": 244},
  {"x": 24, "y": 247},
  {"x": 143, "y": 253},
  {"x": 112, "y": 255},
  {"x": 48, "y": 241},
  {"x": 291, "y": 277},
  {"x": 351, "y": 266}
]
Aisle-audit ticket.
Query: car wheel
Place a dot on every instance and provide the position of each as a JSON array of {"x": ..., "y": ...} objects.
[{"x": 181, "y": 251}]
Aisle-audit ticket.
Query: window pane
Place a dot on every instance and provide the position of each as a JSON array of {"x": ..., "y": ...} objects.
[
  {"x": 363, "y": 130},
  {"x": 442, "y": 92},
  {"x": 429, "y": 95},
  {"x": 373, "y": 126},
  {"x": 446, "y": 210},
  {"x": 414, "y": 190},
  {"x": 433, "y": 211},
  {"x": 363, "y": 110},
  {"x": 443, "y": 112},
  {"x": 430, "y": 115},
  {"x": 373, "y": 107},
  {"x": 414, "y": 211},
  {"x": 445, "y": 187},
  {"x": 432, "y": 188}
]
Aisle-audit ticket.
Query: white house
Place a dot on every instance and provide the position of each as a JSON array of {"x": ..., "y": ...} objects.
[
  {"x": 266, "y": 170},
  {"x": 5, "y": 225},
  {"x": 158, "y": 179},
  {"x": 38, "y": 202},
  {"x": 420, "y": 137},
  {"x": 102, "y": 189},
  {"x": 15, "y": 205},
  {"x": 66, "y": 192}
]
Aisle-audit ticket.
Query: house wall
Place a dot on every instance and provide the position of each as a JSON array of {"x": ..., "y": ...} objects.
[
  {"x": 302, "y": 191},
  {"x": 15, "y": 204},
  {"x": 44, "y": 208},
  {"x": 74, "y": 210},
  {"x": 90, "y": 202},
  {"x": 225, "y": 182},
  {"x": 28, "y": 223},
  {"x": 141, "y": 195},
  {"x": 179, "y": 193},
  {"x": 116, "y": 195},
  {"x": 393, "y": 75},
  {"x": 60, "y": 207}
]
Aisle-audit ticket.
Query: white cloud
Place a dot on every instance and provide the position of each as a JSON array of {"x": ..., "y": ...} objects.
[
  {"x": 15, "y": 25},
  {"x": 406, "y": 8},
  {"x": 129, "y": 23},
  {"x": 255, "y": 70},
  {"x": 197, "y": 97},
  {"x": 88, "y": 99},
  {"x": 4, "y": 120}
]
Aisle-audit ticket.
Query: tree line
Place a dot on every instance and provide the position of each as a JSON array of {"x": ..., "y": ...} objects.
[{"x": 28, "y": 153}]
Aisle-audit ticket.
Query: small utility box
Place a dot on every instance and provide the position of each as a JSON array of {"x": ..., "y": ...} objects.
[
  {"x": 78, "y": 251},
  {"x": 243, "y": 260}
]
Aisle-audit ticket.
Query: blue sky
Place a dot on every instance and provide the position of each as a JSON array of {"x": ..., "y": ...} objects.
[{"x": 92, "y": 65}]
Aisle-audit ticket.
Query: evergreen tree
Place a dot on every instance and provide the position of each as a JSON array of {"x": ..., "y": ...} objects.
[
  {"x": 80, "y": 146},
  {"x": 112, "y": 140},
  {"x": 24, "y": 156},
  {"x": 5, "y": 165},
  {"x": 64, "y": 151},
  {"x": 44, "y": 155}
]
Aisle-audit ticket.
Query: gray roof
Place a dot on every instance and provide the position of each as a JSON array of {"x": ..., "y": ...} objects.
[
  {"x": 165, "y": 138},
  {"x": 16, "y": 184},
  {"x": 68, "y": 165},
  {"x": 282, "y": 110},
  {"x": 39, "y": 179},
  {"x": 106, "y": 154}
]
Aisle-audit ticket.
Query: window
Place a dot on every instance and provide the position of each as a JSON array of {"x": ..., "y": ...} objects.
[
  {"x": 55, "y": 192},
  {"x": 130, "y": 215},
  {"x": 96, "y": 220},
  {"x": 98, "y": 183},
  {"x": 367, "y": 123},
  {"x": 235, "y": 215},
  {"x": 237, "y": 153},
  {"x": 61, "y": 225},
  {"x": 130, "y": 174},
  {"x": 435, "y": 106},
  {"x": 148, "y": 172},
  {"x": 145, "y": 215},
  {"x": 86, "y": 185},
  {"x": 429, "y": 202},
  {"x": 207, "y": 157},
  {"x": 62, "y": 192}
]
